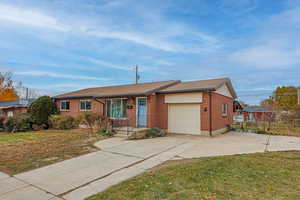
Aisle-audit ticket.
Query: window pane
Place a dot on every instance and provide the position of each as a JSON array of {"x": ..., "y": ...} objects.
[
  {"x": 68, "y": 105},
  {"x": 116, "y": 108},
  {"x": 82, "y": 105},
  {"x": 88, "y": 105}
]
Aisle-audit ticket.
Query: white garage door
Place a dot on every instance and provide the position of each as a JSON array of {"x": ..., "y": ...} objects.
[{"x": 184, "y": 118}]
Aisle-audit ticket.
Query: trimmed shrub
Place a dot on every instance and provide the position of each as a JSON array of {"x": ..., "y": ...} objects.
[
  {"x": 41, "y": 109},
  {"x": 63, "y": 122},
  {"x": 155, "y": 132}
]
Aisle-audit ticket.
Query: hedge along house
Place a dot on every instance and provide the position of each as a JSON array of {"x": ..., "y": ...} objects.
[{"x": 197, "y": 107}]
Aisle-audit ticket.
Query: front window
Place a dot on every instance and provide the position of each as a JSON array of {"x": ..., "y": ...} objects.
[
  {"x": 10, "y": 114},
  {"x": 65, "y": 105},
  {"x": 224, "y": 109},
  {"x": 116, "y": 108},
  {"x": 85, "y": 105}
]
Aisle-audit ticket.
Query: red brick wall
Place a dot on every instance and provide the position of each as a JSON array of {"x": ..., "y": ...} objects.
[
  {"x": 204, "y": 112},
  {"x": 131, "y": 113},
  {"x": 162, "y": 112},
  {"x": 74, "y": 111},
  {"x": 218, "y": 120},
  {"x": 158, "y": 111}
]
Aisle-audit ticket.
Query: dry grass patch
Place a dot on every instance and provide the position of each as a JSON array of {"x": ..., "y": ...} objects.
[{"x": 21, "y": 152}]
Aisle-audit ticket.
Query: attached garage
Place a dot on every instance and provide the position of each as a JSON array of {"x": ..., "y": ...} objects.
[
  {"x": 184, "y": 118},
  {"x": 184, "y": 113}
]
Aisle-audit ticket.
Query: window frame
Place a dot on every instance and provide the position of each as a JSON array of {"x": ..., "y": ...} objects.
[
  {"x": 224, "y": 109},
  {"x": 86, "y": 100},
  {"x": 10, "y": 113},
  {"x": 65, "y": 101},
  {"x": 109, "y": 111}
]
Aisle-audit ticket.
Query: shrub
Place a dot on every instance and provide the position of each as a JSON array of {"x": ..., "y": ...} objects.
[
  {"x": 41, "y": 109},
  {"x": 155, "y": 132},
  {"x": 22, "y": 122},
  {"x": 9, "y": 124},
  {"x": 89, "y": 119},
  {"x": 103, "y": 123},
  {"x": 105, "y": 132},
  {"x": 63, "y": 122},
  {"x": 1, "y": 122}
]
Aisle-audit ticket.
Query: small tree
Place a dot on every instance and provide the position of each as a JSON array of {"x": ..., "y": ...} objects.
[{"x": 41, "y": 109}]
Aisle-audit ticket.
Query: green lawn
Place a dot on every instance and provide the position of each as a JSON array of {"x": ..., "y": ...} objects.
[
  {"x": 266, "y": 176},
  {"x": 21, "y": 152}
]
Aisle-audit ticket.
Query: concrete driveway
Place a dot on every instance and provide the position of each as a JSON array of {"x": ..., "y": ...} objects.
[{"x": 119, "y": 160}]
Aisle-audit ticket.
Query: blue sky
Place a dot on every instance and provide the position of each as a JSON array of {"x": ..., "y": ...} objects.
[{"x": 56, "y": 46}]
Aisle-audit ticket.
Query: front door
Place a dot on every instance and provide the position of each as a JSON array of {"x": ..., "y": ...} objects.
[{"x": 141, "y": 111}]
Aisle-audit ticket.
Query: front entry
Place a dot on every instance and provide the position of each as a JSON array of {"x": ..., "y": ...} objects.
[{"x": 141, "y": 113}]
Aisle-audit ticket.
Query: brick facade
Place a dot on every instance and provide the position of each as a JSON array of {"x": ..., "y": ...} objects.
[{"x": 157, "y": 111}]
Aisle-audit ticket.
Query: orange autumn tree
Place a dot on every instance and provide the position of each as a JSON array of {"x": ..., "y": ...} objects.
[{"x": 7, "y": 91}]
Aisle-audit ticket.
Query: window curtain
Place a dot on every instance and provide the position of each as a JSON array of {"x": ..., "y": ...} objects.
[{"x": 117, "y": 108}]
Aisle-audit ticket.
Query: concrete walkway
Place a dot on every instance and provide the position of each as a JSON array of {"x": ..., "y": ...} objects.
[{"x": 119, "y": 160}]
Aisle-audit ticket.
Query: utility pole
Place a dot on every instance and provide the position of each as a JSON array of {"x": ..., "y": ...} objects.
[{"x": 137, "y": 76}]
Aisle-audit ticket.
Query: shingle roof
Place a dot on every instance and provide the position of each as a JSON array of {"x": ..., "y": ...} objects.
[
  {"x": 119, "y": 90},
  {"x": 200, "y": 86},
  {"x": 16, "y": 103}
]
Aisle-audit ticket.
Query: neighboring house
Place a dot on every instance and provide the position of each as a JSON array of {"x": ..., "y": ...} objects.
[
  {"x": 196, "y": 107},
  {"x": 12, "y": 108},
  {"x": 298, "y": 94},
  {"x": 258, "y": 113},
  {"x": 238, "y": 116}
]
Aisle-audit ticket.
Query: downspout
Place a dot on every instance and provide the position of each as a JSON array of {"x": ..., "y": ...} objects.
[
  {"x": 210, "y": 113},
  {"x": 103, "y": 105}
]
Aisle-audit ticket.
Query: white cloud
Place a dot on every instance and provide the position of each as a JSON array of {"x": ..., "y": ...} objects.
[
  {"x": 152, "y": 34},
  {"x": 106, "y": 64},
  {"x": 58, "y": 75},
  {"x": 265, "y": 57},
  {"x": 276, "y": 45},
  {"x": 29, "y": 17}
]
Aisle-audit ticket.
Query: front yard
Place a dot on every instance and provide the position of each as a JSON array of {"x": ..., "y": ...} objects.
[
  {"x": 261, "y": 176},
  {"x": 21, "y": 152}
]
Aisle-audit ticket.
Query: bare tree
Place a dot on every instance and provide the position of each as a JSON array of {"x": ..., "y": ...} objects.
[{"x": 6, "y": 81}]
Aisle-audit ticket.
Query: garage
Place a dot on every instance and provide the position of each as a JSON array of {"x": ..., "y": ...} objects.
[
  {"x": 184, "y": 118},
  {"x": 184, "y": 113}
]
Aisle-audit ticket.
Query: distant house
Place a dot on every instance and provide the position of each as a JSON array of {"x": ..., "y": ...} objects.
[
  {"x": 12, "y": 108},
  {"x": 238, "y": 116},
  {"x": 195, "y": 107},
  {"x": 258, "y": 113}
]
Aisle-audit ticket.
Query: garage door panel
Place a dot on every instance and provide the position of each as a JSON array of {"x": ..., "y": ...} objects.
[{"x": 184, "y": 118}]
